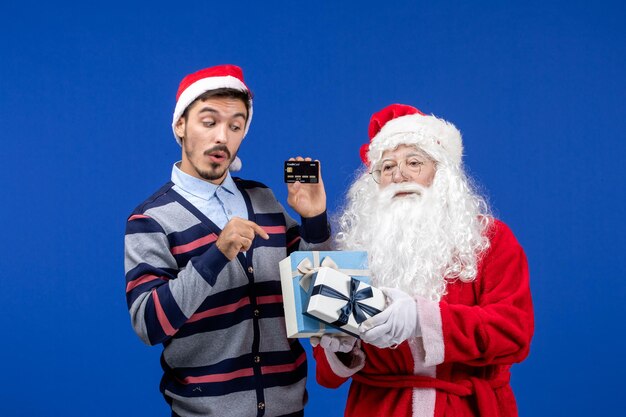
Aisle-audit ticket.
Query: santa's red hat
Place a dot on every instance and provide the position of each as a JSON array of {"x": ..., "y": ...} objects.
[
  {"x": 399, "y": 124},
  {"x": 196, "y": 84}
]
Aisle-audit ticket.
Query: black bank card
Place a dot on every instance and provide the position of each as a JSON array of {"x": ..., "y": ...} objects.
[{"x": 307, "y": 172}]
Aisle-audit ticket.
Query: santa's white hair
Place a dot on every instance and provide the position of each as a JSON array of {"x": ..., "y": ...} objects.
[{"x": 421, "y": 242}]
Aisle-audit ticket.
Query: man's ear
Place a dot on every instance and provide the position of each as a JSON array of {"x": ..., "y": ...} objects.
[{"x": 180, "y": 127}]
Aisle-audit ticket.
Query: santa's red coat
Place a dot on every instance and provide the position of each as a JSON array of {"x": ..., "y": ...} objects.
[{"x": 461, "y": 364}]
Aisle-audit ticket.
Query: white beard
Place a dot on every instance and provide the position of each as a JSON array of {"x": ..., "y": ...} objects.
[{"x": 416, "y": 242}]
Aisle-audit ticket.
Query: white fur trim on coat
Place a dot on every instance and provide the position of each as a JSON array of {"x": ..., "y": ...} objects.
[
  {"x": 429, "y": 316},
  {"x": 423, "y": 398}
]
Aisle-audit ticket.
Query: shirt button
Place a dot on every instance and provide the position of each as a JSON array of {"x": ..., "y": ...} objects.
[
  {"x": 261, "y": 405},
  {"x": 250, "y": 269},
  {"x": 257, "y": 313},
  {"x": 229, "y": 212},
  {"x": 257, "y": 359}
]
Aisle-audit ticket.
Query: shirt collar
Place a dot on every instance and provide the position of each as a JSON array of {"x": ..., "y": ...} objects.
[{"x": 200, "y": 188}]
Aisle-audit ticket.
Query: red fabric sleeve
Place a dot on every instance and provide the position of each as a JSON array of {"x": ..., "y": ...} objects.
[
  {"x": 499, "y": 328},
  {"x": 323, "y": 373}
]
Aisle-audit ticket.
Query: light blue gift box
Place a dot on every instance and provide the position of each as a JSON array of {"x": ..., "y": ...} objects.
[{"x": 295, "y": 277}]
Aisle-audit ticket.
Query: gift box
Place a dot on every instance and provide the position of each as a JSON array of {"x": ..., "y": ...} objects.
[
  {"x": 342, "y": 301},
  {"x": 296, "y": 272}
]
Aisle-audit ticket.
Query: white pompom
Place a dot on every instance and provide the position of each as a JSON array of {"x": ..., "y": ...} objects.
[{"x": 235, "y": 165}]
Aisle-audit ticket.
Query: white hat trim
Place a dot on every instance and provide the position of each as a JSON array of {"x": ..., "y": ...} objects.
[
  {"x": 200, "y": 87},
  {"x": 436, "y": 136}
]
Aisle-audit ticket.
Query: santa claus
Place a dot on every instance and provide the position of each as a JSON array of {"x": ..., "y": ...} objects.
[{"x": 459, "y": 310}]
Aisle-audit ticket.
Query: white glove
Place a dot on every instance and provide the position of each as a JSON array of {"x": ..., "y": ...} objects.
[
  {"x": 334, "y": 343},
  {"x": 395, "y": 324}
]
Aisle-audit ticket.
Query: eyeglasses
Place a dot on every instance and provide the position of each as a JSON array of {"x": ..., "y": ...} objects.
[{"x": 387, "y": 169}]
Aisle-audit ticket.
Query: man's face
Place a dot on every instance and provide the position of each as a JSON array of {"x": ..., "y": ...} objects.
[
  {"x": 405, "y": 164},
  {"x": 211, "y": 136}
]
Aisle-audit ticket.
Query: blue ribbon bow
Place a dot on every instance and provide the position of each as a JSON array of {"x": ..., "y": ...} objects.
[{"x": 353, "y": 305}]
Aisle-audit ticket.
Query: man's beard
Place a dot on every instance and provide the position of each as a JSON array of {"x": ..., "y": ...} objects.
[
  {"x": 413, "y": 241},
  {"x": 213, "y": 175},
  {"x": 216, "y": 171},
  {"x": 404, "y": 239}
]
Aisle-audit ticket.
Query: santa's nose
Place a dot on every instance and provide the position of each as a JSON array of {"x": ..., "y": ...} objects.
[{"x": 398, "y": 176}]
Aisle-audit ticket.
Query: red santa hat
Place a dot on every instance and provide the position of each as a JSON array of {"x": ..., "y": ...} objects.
[
  {"x": 196, "y": 84},
  {"x": 399, "y": 124}
]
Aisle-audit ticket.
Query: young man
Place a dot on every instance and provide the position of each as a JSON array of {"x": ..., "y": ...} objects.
[
  {"x": 202, "y": 255},
  {"x": 459, "y": 308}
]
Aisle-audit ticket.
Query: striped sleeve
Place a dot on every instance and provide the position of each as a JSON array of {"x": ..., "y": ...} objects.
[
  {"x": 160, "y": 299},
  {"x": 313, "y": 234}
]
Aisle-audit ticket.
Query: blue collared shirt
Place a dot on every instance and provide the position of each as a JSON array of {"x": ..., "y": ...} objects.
[{"x": 220, "y": 203}]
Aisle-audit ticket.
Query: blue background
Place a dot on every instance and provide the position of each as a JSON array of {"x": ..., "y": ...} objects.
[{"x": 87, "y": 90}]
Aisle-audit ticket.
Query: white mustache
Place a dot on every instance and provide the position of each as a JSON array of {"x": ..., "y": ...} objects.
[{"x": 392, "y": 190}]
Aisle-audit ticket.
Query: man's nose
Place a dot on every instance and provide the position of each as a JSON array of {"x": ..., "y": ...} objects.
[
  {"x": 398, "y": 175},
  {"x": 221, "y": 134}
]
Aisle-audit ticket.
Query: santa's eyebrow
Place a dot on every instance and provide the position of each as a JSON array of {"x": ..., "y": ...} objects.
[{"x": 408, "y": 155}]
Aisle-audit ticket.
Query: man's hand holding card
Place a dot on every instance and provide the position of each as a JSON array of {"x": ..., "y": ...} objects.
[{"x": 306, "y": 194}]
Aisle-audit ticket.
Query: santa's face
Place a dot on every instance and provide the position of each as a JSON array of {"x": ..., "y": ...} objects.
[
  {"x": 404, "y": 164},
  {"x": 419, "y": 229}
]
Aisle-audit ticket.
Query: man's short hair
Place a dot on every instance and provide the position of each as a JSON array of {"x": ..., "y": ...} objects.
[{"x": 221, "y": 93}]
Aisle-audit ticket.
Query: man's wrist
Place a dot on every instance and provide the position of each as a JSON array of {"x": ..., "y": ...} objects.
[
  {"x": 210, "y": 264},
  {"x": 315, "y": 229}
]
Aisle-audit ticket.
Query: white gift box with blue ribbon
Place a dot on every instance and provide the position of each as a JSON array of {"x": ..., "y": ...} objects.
[
  {"x": 342, "y": 301},
  {"x": 296, "y": 273}
]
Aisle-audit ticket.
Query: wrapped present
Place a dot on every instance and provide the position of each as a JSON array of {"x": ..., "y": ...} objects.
[
  {"x": 342, "y": 301},
  {"x": 296, "y": 272}
]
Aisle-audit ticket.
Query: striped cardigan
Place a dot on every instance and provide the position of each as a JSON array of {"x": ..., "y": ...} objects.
[{"x": 221, "y": 322}]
